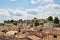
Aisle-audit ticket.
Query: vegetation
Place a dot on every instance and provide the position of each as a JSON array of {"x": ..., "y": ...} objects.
[
  {"x": 41, "y": 23},
  {"x": 4, "y": 30},
  {"x": 7, "y": 21},
  {"x": 12, "y": 21},
  {"x": 56, "y": 20},
  {"x": 1, "y": 24},
  {"x": 36, "y": 22},
  {"x": 58, "y": 25},
  {"x": 50, "y": 18},
  {"x": 51, "y": 21},
  {"x": 15, "y": 23}
]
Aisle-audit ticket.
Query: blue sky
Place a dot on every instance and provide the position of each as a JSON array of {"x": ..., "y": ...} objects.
[
  {"x": 28, "y": 9},
  {"x": 17, "y": 4}
]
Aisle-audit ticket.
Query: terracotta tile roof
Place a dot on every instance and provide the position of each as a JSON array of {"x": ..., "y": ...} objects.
[
  {"x": 20, "y": 36},
  {"x": 51, "y": 30},
  {"x": 33, "y": 37},
  {"x": 1, "y": 33},
  {"x": 11, "y": 32}
]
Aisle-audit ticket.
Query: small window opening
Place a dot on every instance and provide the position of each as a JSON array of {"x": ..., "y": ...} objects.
[
  {"x": 55, "y": 36},
  {"x": 41, "y": 30}
]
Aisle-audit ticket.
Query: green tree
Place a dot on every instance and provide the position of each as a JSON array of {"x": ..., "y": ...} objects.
[
  {"x": 50, "y": 18},
  {"x": 34, "y": 19},
  {"x": 12, "y": 21},
  {"x": 56, "y": 20},
  {"x": 1, "y": 24},
  {"x": 36, "y": 22},
  {"x": 7, "y": 21}
]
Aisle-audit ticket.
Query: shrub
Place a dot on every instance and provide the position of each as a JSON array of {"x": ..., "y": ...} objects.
[
  {"x": 56, "y": 20},
  {"x": 36, "y": 23},
  {"x": 15, "y": 23},
  {"x": 4, "y": 30},
  {"x": 41, "y": 23},
  {"x": 1, "y": 24},
  {"x": 50, "y": 18}
]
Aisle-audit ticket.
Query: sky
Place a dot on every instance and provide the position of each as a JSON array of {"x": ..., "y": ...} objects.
[{"x": 28, "y": 9}]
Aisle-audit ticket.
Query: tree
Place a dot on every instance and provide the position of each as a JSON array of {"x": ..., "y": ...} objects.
[
  {"x": 56, "y": 20},
  {"x": 12, "y": 21},
  {"x": 34, "y": 19},
  {"x": 50, "y": 18},
  {"x": 1, "y": 24},
  {"x": 36, "y": 22},
  {"x": 6, "y": 21}
]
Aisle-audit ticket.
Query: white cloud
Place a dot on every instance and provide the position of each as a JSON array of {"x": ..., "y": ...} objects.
[
  {"x": 42, "y": 12},
  {"x": 51, "y": 6},
  {"x": 42, "y": 1},
  {"x": 4, "y": 12},
  {"x": 34, "y": 1},
  {"x": 47, "y": 10},
  {"x": 48, "y": 0}
]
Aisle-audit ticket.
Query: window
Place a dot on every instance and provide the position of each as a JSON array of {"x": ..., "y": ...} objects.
[
  {"x": 55, "y": 36},
  {"x": 41, "y": 30}
]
